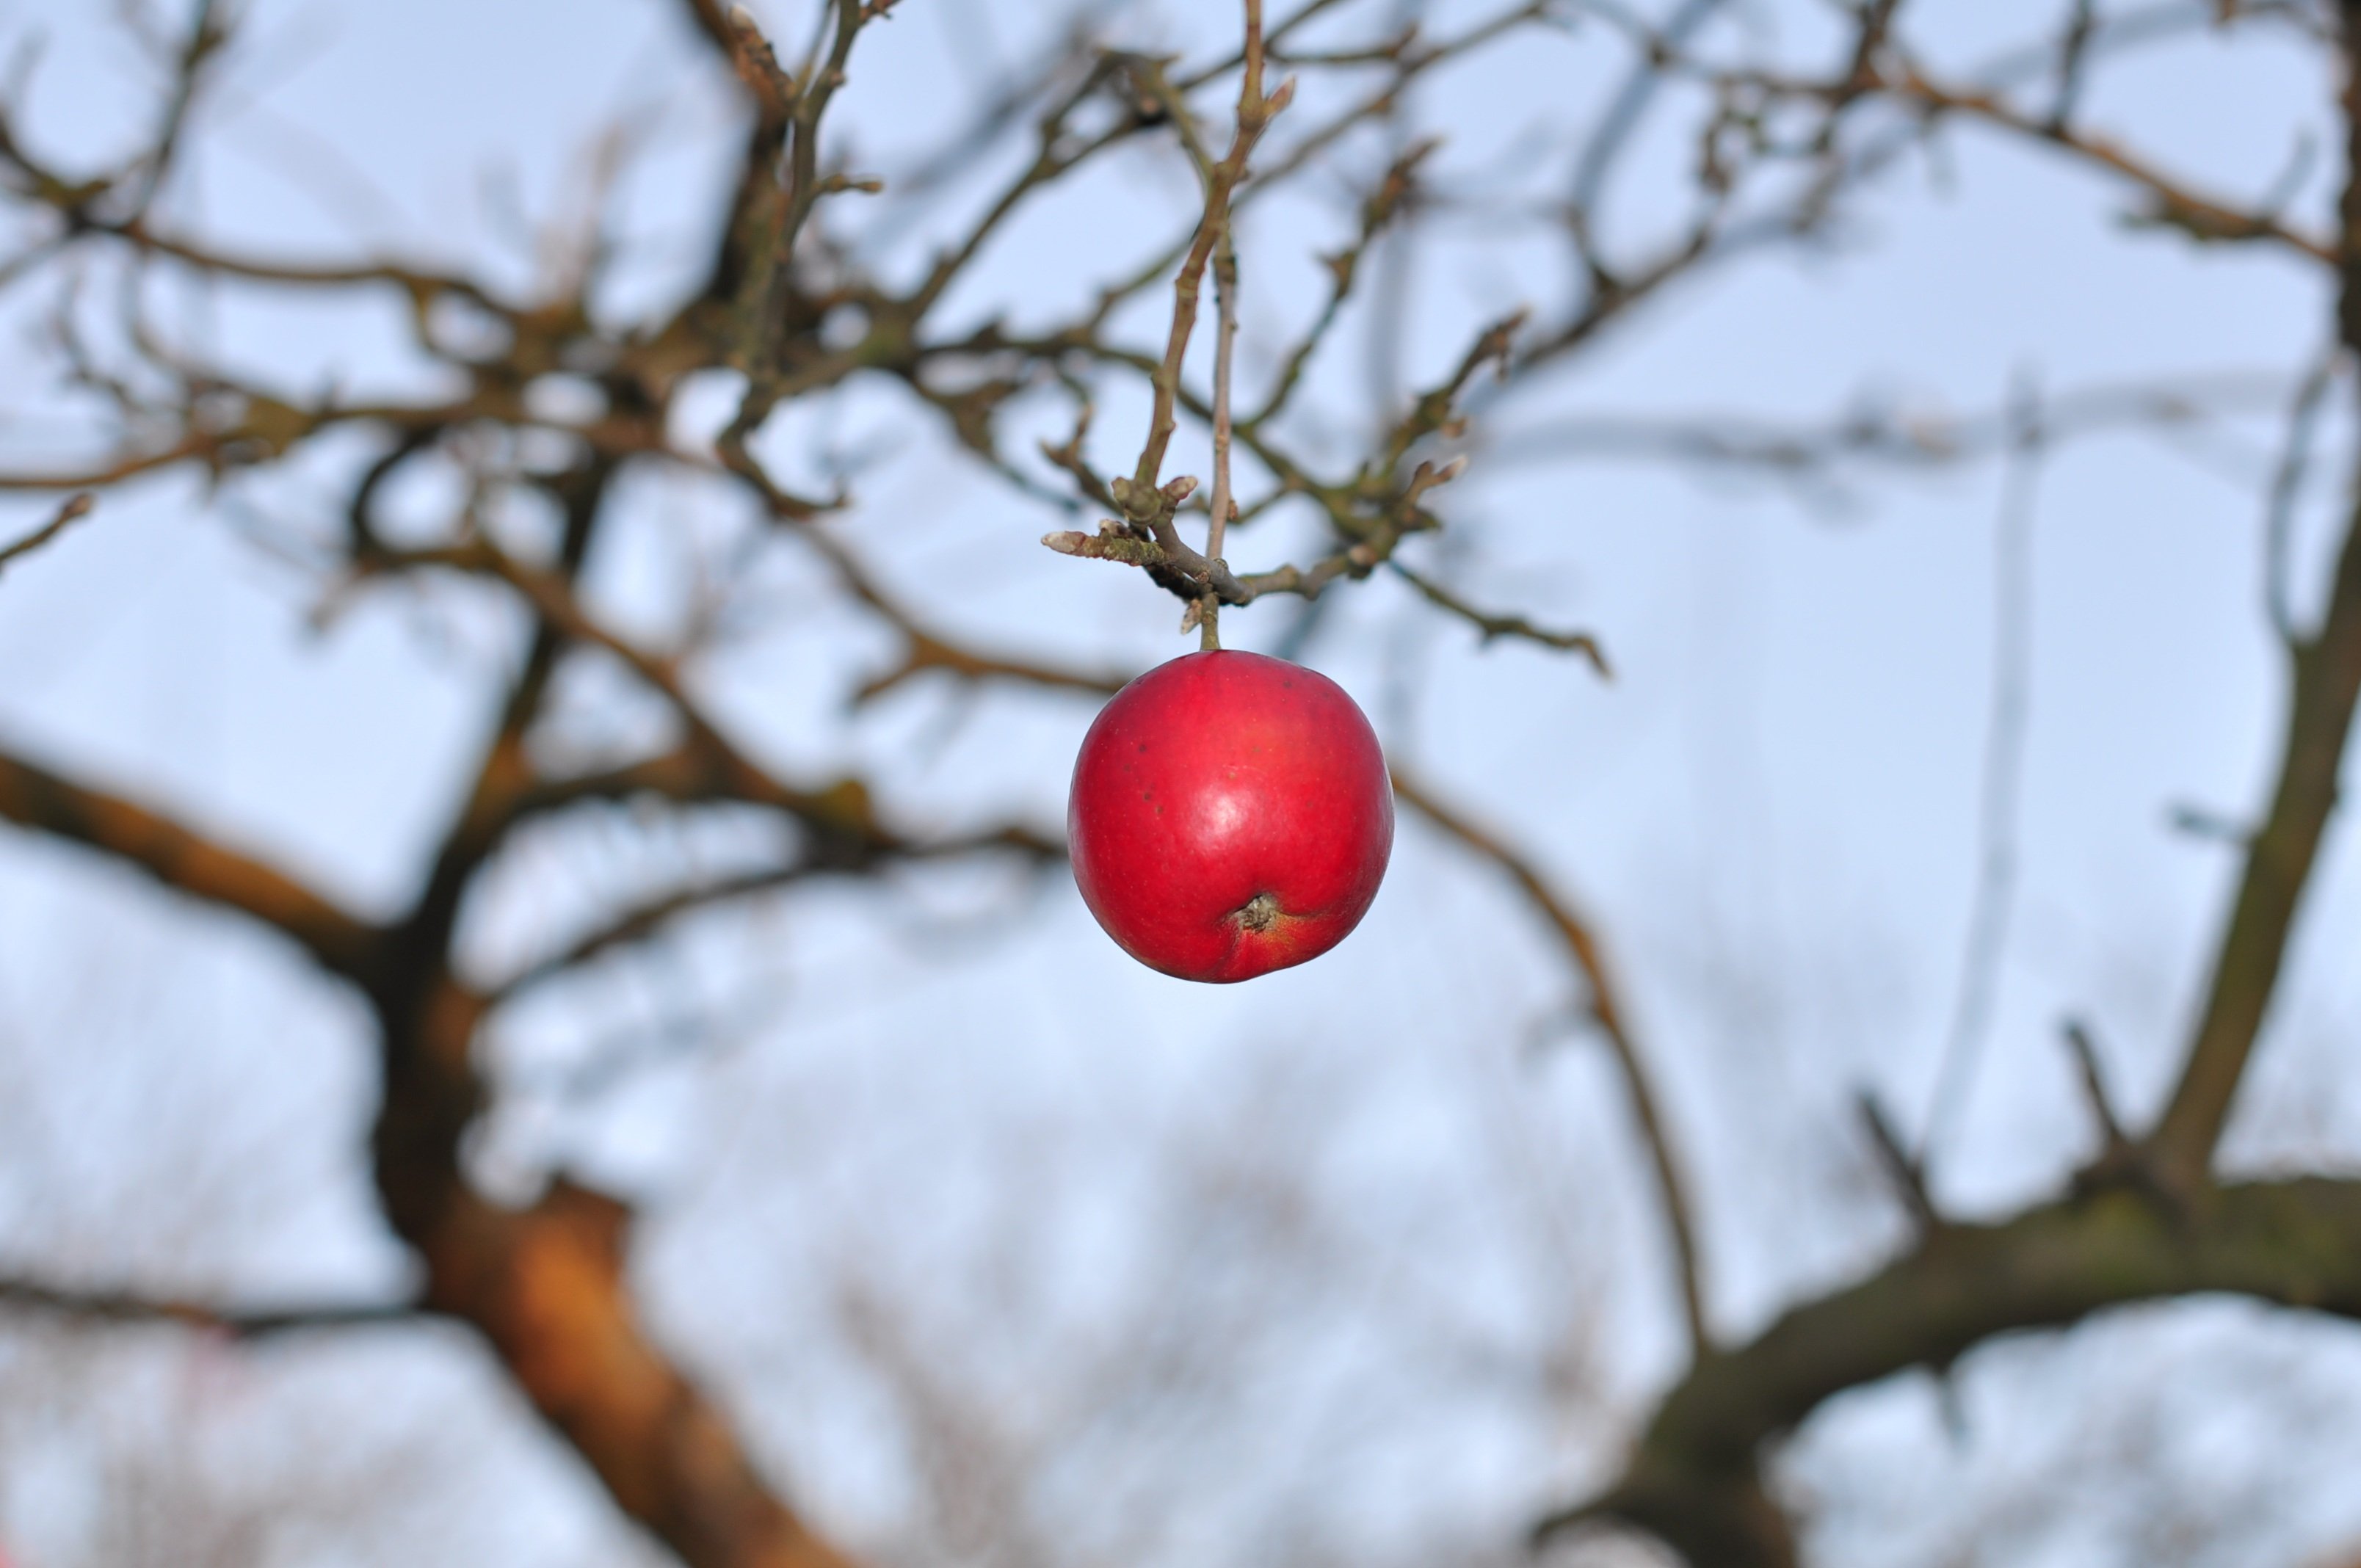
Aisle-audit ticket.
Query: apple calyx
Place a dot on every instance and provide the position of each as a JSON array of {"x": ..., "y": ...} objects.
[{"x": 1260, "y": 913}]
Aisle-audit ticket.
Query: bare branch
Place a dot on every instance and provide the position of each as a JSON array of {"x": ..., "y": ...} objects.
[
  {"x": 839, "y": 816},
  {"x": 1255, "y": 111},
  {"x": 2173, "y": 201},
  {"x": 1393, "y": 193},
  {"x": 2286, "y": 491},
  {"x": 44, "y": 802},
  {"x": 642, "y": 921},
  {"x": 1903, "y": 1170},
  {"x": 1372, "y": 513},
  {"x": 545, "y": 1286},
  {"x": 2004, "y": 767},
  {"x": 1693, "y": 1479},
  {"x": 1492, "y": 625},
  {"x": 2115, "y": 1141},
  {"x": 1885, "y": 433},
  {"x": 1219, "y": 506},
  {"x": 87, "y": 1305},
  {"x": 75, "y": 507},
  {"x": 2325, "y": 684},
  {"x": 1582, "y": 948},
  {"x": 2281, "y": 857}
]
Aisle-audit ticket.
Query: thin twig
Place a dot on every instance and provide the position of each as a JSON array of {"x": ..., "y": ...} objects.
[
  {"x": 1393, "y": 192},
  {"x": 2073, "y": 54},
  {"x": 1492, "y": 625},
  {"x": 243, "y": 1323},
  {"x": 1881, "y": 432},
  {"x": 1631, "y": 101},
  {"x": 1226, "y": 338},
  {"x": 1903, "y": 1170},
  {"x": 1225, "y": 308},
  {"x": 2004, "y": 766},
  {"x": 2085, "y": 1052},
  {"x": 1582, "y": 946},
  {"x": 2286, "y": 491},
  {"x": 76, "y": 508},
  {"x": 1255, "y": 114}
]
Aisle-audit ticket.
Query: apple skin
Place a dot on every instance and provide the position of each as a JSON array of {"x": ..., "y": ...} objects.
[{"x": 1230, "y": 815}]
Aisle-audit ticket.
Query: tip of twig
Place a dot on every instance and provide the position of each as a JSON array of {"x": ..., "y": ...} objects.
[
  {"x": 1498, "y": 342},
  {"x": 75, "y": 506},
  {"x": 1280, "y": 98},
  {"x": 1110, "y": 542},
  {"x": 1561, "y": 1522},
  {"x": 2200, "y": 823},
  {"x": 2094, "y": 1083},
  {"x": 1905, "y": 1171}
]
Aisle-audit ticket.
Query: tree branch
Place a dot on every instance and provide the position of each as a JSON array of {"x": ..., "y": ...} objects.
[
  {"x": 1490, "y": 624},
  {"x": 2325, "y": 683},
  {"x": 1255, "y": 111},
  {"x": 239, "y": 1322},
  {"x": 1693, "y": 1479},
  {"x": 546, "y": 1285},
  {"x": 76, "y": 506},
  {"x": 2173, "y": 202},
  {"x": 1582, "y": 947},
  {"x": 44, "y": 802}
]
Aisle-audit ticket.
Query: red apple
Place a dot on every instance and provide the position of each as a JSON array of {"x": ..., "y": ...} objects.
[{"x": 1230, "y": 815}]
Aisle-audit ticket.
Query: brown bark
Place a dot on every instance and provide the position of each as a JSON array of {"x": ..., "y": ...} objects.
[
  {"x": 547, "y": 1286},
  {"x": 1694, "y": 1478},
  {"x": 32, "y": 797},
  {"x": 2326, "y": 684}
]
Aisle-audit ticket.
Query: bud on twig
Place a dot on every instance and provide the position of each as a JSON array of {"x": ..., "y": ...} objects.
[
  {"x": 1138, "y": 502},
  {"x": 1109, "y": 543}
]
